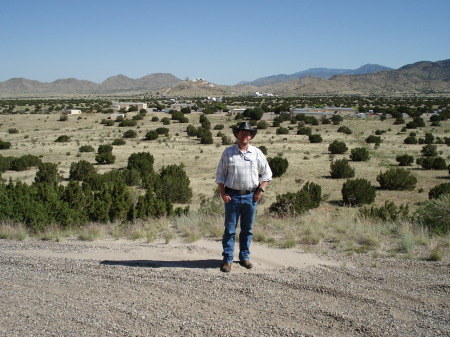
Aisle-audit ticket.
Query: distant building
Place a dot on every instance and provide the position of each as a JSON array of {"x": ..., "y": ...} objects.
[
  {"x": 72, "y": 112},
  {"x": 127, "y": 105},
  {"x": 323, "y": 112}
]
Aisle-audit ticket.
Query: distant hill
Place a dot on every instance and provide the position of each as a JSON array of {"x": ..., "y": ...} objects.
[
  {"x": 71, "y": 86},
  {"x": 324, "y": 73}
]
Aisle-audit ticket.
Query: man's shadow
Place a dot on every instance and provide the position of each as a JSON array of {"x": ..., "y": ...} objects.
[{"x": 196, "y": 264}]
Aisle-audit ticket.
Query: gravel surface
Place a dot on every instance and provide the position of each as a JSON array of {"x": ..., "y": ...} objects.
[{"x": 59, "y": 289}]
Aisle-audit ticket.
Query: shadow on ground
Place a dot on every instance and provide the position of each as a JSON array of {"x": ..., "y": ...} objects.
[{"x": 198, "y": 264}]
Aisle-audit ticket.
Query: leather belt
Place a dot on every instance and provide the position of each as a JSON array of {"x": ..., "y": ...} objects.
[{"x": 241, "y": 192}]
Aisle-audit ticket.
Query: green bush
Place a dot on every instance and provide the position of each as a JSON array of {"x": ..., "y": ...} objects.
[
  {"x": 389, "y": 212},
  {"x": 12, "y": 131},
  {"x": 81, "y": 170},
  {"x": 357, "y": 192},
  {"x": 304, "y": 130},
  {"x": 262, "y": 125},
  {"x": 439, "y": 190},
  {"x": 104, "y": 148},
  {"x": 278, "y": 166},
  {"x": 4, "y": 145},
  {"x": 344, "y": 129},
  {"x": 218, "y": 127},
  {"x": 151, "y": 135},
  {"x": 5, "y": 163},
  {"x": 141, "y": 161},
  {"x": 359, "y": 154},
  {"x": 191, "y": 130},
  {"x": 118, "y": 142},
  {"x": 307, "y": 198},
  {"x": 337, "y": 119},
  {"x": 24, "y": 162},
  {"x": 62, "y": 139},
  {"x": 373, "y": 139},
  {"x": 315, "y": 138},
  {"x": 127, "y": 123},
  {"x": 410, "y": 140},
  {"x": 282, "y": 131},
  {"x": 165, "y": 120},
  {"x": 263, "y": 149},
  {"x": 86, "y": 148},
  {"x": 398, "y": 179},
  {"x": 432, "y": 163},
  {"x": 429, "y": 150},
  {"x": 48, "y": 173},
  {"x": 435, "y": 214},
  {"x": 131, "y": 177},
  {"x": 175, "y": 184},
  {"x": 404, "y": 160},
  {"x": 337, "y": 147},
  {"x": 162, "y": 131},
  {"x": 105, "y": 158},
  {"x": 341, "y": 169},
  {"x": 130, "y": 134}
]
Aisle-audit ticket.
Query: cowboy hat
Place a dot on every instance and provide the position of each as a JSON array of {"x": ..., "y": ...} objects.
[{"x": 245, "y": 126}]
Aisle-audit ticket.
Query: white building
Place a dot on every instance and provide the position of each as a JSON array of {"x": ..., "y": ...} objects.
[
  {"x": 72, "y": 112},
  {"x": 127, "y": 105}
]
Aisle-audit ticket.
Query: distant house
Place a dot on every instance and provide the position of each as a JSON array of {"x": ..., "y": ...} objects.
[
  {"x": 323, "y": 112},
  {"x": 127, "y": 105},
  {"x": 72, "y": 112}
]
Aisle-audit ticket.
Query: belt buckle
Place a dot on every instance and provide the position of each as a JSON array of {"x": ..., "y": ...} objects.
[{"x": 242, "y": 192}]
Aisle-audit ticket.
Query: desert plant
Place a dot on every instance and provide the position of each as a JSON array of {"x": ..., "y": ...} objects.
[
  {"x": 162, "y": 131},
  {"x": 344, "y": 129},
  {"x": 48, "y": 173},
  {"x": 282, "y": 131},
  {"x": 141, "y": 161},
  {"x": 13, "y": 131},
  {"x": 435, "y": 214},
  {"x": 439, "y": 190},
  {"x": 104, "y": 148},
  {"x": 86, "y": 148},
  {"x": 404, "y": 160},
  {"x": 429, "y": 150},
  {"x": 262, "y": 125},
  {"x": 304, "y": 130},
  {"x": 130, "y": 134},
  {"x": 4, "y": 145},
  {"x": 278, "y": 166},
  {"x": 398, "y": 179},
  {"x": 175, "y": 184},
  {"x": 337, "y": 147},
  {"x": 373, "y": 139},
  {"x": 341, "y": 169},
  {"x": 359, "y": 154},
  {"x": 389, "y": 212},
  {"x": 151, "y": 135},
  {"x": 357, "y": 192},
  {"x": 118, "y": 142},
  {"x": 62, "y": 139},
  {"x": 307, "y": 198},
  {"x": 410, "y": 140},
  {"x": 81, "y": 170},
  {"x": 105, "y": 158},
  {"x": 315, "y": 138},
  {"x": 263, "y": 149}
]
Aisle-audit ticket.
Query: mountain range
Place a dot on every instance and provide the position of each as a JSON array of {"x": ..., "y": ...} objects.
[{"x": 420, "y": 78}]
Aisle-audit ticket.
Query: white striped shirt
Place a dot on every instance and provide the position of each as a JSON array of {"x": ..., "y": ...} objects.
[{"x": 240, "y": 171}]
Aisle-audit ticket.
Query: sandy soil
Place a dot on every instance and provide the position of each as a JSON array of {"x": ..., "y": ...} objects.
[{"x": 124, "y": 288}]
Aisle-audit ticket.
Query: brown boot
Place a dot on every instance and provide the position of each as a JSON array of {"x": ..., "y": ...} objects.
[
  {"x": 246, "y": 263},
  {"x": 225, "y": 267}
]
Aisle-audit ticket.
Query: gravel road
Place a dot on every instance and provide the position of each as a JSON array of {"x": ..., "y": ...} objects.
[{"x": 80, "y": 288}]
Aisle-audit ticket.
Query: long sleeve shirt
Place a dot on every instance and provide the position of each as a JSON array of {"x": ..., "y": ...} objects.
[{"x": 240, "y": 171}]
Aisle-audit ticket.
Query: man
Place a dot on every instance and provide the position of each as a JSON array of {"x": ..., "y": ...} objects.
[{"x": 240, "y": 188}]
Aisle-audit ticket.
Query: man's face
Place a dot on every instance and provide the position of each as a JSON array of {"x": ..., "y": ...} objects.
[{"x": 244, "y": 136}]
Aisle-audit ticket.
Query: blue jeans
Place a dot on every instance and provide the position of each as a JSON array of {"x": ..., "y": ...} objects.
[{"x": 241, "y": 207}]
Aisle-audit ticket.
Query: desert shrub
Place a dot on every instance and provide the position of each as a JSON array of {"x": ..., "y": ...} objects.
[
  {"x": 151, "y": 135},
  {"x": 107, "y": 122},
  {"x": 105, "y": 158},
  {"x": 227, "y": 140},
  {"x": 341, "y": 169},
  {"x": 81, "y": 170},
  {"x": 439, "y": 164},
  {"x": 337, "y": 147},
  {"x": 103, "y": 148},
  {"x": 218, "y": 127},
  {"x": 262, "y": 125},
  {"x": 156, "y": 119},
  {"x": 429, "y": 150},
  {"x": 127, "y": 123},
  {"x": 315, "y": 138},
  {"x": 86, "y": 148},
  {"x": 63, "y": 117},
  {"x": 344, "y": 129},
  {"x": 130, "y": 134},
  {"x": 357, "y": 192},
  {"x": 4, "y": 145},
  {"x": 337, "y": 119},
  {"x": 325, "y": 121},
  {"x": 162, "y": 131},
  {"x": 307, "y": 198},
  {"x": 410, "y": 140},
  {"x": 411, "y": 125},
  {"x": 141, "y": 161},
  {"x": 12, "y": 131},
  {"x": 62, "y": 139},
  {"x": 419, "y": 122},
  {"x": 432, "y": 163},
  {"x": 263, "y": 149},
  {"x": 435, "y": 214},
  {"x": 404, "y": 160},
  {"x": 48, "y": 173},
  {"x": 165, "y": 120},
  {"x": 206, "y": 137},
  {"x": 118, "y": 142},
  {"x": 191, "y": 130},
  {"x": 429, "y": 138},
  {"x": 304, "y": 130},
  {"x": 439, "y": 190},
  {"x": 175, "y": 184},
  {"x": 24, "y": 162},
  {"x": 137, "y": 117},
  {"x": 278, "y": 166},
  {"x": 398, "y": 179},
  {"x": 389, "y": 212},
  {"x": 359, "y": 154},
  {"x": 399, "y": 120},
  {"x": 373, "y": 139},
  {"x": 5, "y": 163},
  {"x": 282, "y": 131},
  {"x": 131, "y": 177}
]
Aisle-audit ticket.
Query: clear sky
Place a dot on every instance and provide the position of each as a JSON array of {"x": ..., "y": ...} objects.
[{"x": 224, "y": 42}]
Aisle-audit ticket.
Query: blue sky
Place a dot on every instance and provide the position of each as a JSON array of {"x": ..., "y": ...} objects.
[{"x": 222, "y": 41}]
